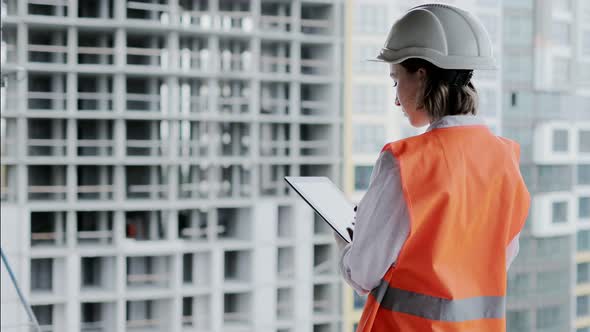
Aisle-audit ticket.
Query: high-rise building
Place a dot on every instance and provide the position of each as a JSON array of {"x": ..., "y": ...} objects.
[
  {"x": 144, "y": 144},
  {"x": 546, "y": 99},
  {"x": 371, "y": 117}
]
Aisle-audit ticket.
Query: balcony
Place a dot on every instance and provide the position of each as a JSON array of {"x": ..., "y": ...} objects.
[
  {"x": 196, "y": 269},
  {"x": 97, "y": 9},
  {"x": 95, "y": 93},
  {"x": 323, "y": 299},
  {"x": 192, "y": 225},
  {"x": 234, "y": 97},
  {"x": 274, "y": 98},
  {"x": 147, "y": 95},
  {"x": 316, "y": 60},
  {"x": 196, "y": 313},
  {"x": 237, "y": 311},
  {"x": 47, "y": 92},
  {"x": 147, "y": 315},
  {"x": 95, "y": 183},
  {"x": 97, "y": 274},
  {"x": 233, "y": 139},
  {"x": 194, "y": 182},
  {"x": 48, "y": 229},
  {"x": 147, "y": 51},
  {"x": 285, "y": 303},
  {"x": 95, "y": 138},
  {"x": 96, "y": 48},
  {"x": 56, "y": 8},
  {"x": 275, "y": 139},
  {"x": 94, "y": 228},
  {"x": 145, "y": 225},
  {"x": 235, "y": 15},
  {"x": 194, "y": 54},
  {"x": 285, "y": 263},
  {"x": 236, "y": 183},
  {"x": 194, "y": 96},
  {"x": 47, "y": 46},
  {"x": 316, "y": 100},
  {"x": 194, "y": 13},
  {"x": 275, "y": 16},
  {"x": 46, "y": 182},
  {"x": 234, "y": 224},
  {"x": 323, "y": 260},
  {"x": 146, "y": 182},
  {"x": 235, "y": 55},
  {"x": 143, "y": 10},
  {"x": 97, "y": 317},
  {"x": 148, "y": 271},
  {"x": 47, "y": 276},
  {"x": 315, "y": 140},
  {"x": 317, "y": 19},
  {"x": 272, "y": 182},
  {"x": 146, "y": 138},
  {"x": 275, "y": 57}
]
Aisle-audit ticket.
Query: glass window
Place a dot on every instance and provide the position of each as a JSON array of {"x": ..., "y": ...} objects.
[
  {"x": 362, "y": 177},
  {"x": 560, "y": 140},
  {"x": 371, "y": 18},
  {"x": 554, "y": 178},
  {"x": 584, "y": 207},
  {"x": 561, "y": 33},
  {"x": 44, "y": 314},
  {"x": 359, "y": 301},
  {"x": 360, "y": 63},
  {"x": 559, "y": 212},
  {"x": 582, "y": 306},
  {"x": 583, "y": 174},
  {"x": 548, "y": 317},
  {"x": 370, "y": 98},
  {"x": 582, "y": 273},
  {"x": 561, "y": 70},
  {"x": 518, "y": 30},
  {"x": 518, "y": 320},
  {"x": 583, "y": 240},
  {"x": 584, "y": 141},
  {"x": 41, "y": 274},
  {"x": 518, "y": 284},
  {"x": 368, "y": 138}
]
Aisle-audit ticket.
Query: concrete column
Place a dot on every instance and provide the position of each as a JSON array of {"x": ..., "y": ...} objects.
[
  {"x": 264, "y": 265},
  {"x": 303, "y": 217}
]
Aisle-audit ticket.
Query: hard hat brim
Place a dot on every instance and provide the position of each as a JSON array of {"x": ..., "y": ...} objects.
[{"x": 437, "y": 59}]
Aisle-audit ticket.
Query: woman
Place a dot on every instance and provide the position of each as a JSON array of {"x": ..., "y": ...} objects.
[{"x": 439, "y": 225}]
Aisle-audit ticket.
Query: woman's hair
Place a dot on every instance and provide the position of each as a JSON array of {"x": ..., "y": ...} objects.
[{"x": 444, "y": 90}]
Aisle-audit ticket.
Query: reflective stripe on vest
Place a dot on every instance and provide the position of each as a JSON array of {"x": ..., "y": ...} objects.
[{"x": 437, "y": 308}]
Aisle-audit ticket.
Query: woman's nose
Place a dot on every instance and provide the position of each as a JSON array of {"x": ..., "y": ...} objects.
[{"x": 397, "y": 103}]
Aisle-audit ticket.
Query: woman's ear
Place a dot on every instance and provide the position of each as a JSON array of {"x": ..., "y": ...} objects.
[{"x": 421, "y": 72}]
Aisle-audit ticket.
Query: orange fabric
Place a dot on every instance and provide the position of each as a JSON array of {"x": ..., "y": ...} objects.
[{"x": 466, "y": 201}]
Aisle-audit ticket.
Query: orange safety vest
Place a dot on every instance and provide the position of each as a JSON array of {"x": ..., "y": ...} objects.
[{"x": 466, "y": 201}]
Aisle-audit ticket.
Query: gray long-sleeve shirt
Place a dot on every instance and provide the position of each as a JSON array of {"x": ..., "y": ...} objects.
[{"x": 382, "y": 222}]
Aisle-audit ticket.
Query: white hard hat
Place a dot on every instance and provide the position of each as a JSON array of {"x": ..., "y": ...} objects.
[{"x": 446, "y": 36}]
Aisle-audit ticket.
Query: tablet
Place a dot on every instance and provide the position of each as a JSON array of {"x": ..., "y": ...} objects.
[{"x": 327, "y": 200}]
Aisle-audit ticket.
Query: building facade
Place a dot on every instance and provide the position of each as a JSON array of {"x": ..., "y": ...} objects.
[
  {"x": 144, "y": 145},
  {"x": 545, "y": 104}
]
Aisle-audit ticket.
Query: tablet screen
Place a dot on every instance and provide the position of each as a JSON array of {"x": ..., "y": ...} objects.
[{"x": 327, "y": 200}]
